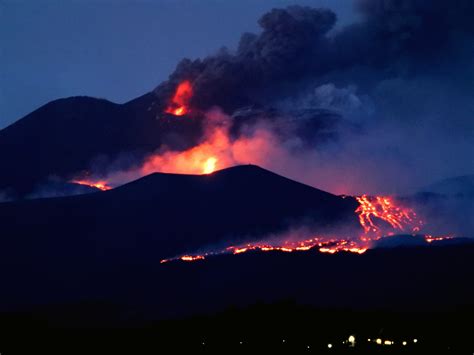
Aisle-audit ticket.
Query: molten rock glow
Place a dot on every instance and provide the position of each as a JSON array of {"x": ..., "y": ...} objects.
[
  {"x": 179, "y": 105},
  {"x": 382, "y": 208},
  {"x": 372, "y": 212},
  {"x": 101, "y": 185},
  {"x": 217, "y": 150},
  {"x": 323, "y": 244}
]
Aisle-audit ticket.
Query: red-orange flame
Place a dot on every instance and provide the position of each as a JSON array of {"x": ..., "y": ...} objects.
[
  {"x": 431, "y": 239},
  {"x": 324, "y": 245},
  {"x": 179, "y": 105},
  {"x": 101, "y": 185}
]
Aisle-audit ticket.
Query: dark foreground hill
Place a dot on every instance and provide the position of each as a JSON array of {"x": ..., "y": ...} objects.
[
  {"x": 273, "y": 302},
  {"x": 62, "y": 257},
  {"x": 53, "y": 246}
]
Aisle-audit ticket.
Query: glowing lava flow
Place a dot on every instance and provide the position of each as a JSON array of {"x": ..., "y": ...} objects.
[
  {"x": 371, "y": 211},
  {"x": 431, "y": 239},
  {"x": 179, "y": 105},
  {"x": 323, "y": 244},
  {"x": 384, "y": 208},
  {"x": 101, "y": 185},
  {"x": 209, "y": 165}
]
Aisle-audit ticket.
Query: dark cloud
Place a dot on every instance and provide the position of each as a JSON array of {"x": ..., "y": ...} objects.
[
  {"x": 394, "y": 36},
  {"x": 284, "y": 50},
  {"x": 403, "y": 73}
]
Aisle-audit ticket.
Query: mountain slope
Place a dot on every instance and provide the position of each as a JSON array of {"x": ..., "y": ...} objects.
[
  {"x": 65, "y": 136},
  {"x": 64, "y": 242},
  {"x": 107, "y": 246},
  {"x": 171, "y": 212}
]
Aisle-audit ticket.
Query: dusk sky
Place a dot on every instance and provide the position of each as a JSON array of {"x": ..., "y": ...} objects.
[
  {"x": 116, "y": 50},
  {"x": 208, "y": 176}
]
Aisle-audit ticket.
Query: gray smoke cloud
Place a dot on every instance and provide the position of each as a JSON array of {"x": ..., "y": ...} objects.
[{"x": 401, "y": 77}]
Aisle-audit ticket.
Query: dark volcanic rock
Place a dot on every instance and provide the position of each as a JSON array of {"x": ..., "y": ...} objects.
[{"x": 64, "y": 137}]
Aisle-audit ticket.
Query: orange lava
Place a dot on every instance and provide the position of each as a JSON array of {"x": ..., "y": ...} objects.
[
  {"x": 217, "y": 150},
  {"x": 209, "y": 165},
  {"x": 371, "y": 211},
  {"x": 101, "y": 185},
  {"x": 324, "y": 245},
  {"x": 431, "y": 239},
  {"x": 384, "y": 208},
  {"x": 179, "y": 105}
]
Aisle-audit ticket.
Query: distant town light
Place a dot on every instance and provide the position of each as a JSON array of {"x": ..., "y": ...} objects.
[
  {"x": 329, "y": 346},
  {"x": 415, "y": 341},
  {"x": 404, "y": 343},
  {"x": 351, "y": 341},
  {"x": 387, "y": 342},
  {"x": 378, "y": 341}
]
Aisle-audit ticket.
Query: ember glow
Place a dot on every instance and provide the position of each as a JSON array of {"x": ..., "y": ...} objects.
[
  {"x": 217, "y": 150},
  {"x": 373, "y": 213},
  {"x": 101, "y": 185},
  {"x": 179, "y": 105},
  {"x": 322, "y": 244},
  {"x": 372, "y": 210},
  {"x": 209, "y": 165},
  {"x": 431, "y": 239}
]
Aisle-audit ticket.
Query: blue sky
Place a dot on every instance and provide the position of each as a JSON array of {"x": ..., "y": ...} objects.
[{"x": 117, "y": 49}]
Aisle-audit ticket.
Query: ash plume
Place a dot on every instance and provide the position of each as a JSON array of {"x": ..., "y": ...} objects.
[
  {"x": 401, "y": 75},
  {"x": 393, "y": 38}
]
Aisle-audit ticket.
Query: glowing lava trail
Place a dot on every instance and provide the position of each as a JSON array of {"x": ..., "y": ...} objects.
[
  {"x": 431, "y": 239},
  {"x": 372, "y": 210},
  {"x": 101, "y": 185},
  {"x": 179, "y": 105},
  {"x": 379, "y": 217},
  {"x": 324, "y": 245}
]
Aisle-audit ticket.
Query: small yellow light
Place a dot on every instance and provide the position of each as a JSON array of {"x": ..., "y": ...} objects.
[
  {"x": 352, "y": 339},
  {"x": 404, "y": 343},
  {"x": 329, "y": 346},
  {"x": 415, "y": 341},
  {"x": 378, "y": 341}
]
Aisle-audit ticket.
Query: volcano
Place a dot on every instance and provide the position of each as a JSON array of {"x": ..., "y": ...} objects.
[
  {"x": 72, "y": 139},
  {"x": 66, "y": 136},
  {"x": 108, "y": 245}
]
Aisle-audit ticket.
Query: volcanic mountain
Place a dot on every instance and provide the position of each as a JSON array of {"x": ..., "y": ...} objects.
[
  {"x": 78, "y": 136},
  {"x": 107, "y": 247},
  {"x": 66, "y": 136},
  {"x": 155, "y": 217}
]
